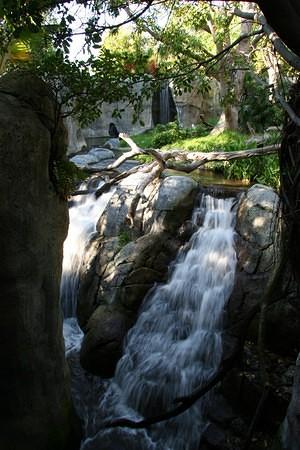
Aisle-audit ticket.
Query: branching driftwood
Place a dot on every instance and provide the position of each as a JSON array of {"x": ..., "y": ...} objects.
[
  {"x": 176, "y": 159},
  {"x": 198, "y": 158}
]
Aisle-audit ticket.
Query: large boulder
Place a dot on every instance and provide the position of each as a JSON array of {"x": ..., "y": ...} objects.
[
  {"x": 36, "y": 410},
  {"x": 258, "y": 244},
  {"x": 126, "y": 262},
  {"x": 260, "y": 252}
]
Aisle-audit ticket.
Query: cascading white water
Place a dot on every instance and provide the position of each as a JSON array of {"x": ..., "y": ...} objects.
[
  {"x": 164, "y": 104},
  {"x": 84, "y": 215},
  {"x": 175, "y": 346}
]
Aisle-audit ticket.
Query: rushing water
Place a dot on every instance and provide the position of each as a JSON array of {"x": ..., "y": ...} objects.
[
  {"x": 84, "y": 214},
  {"x": 175, "y": 346}
]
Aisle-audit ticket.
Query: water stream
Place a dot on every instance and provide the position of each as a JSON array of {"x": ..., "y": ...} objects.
[{"x": 174, "y": 347}]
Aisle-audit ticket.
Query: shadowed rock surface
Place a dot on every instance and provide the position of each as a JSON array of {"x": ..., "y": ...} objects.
[{"x": 36, "y": 410}]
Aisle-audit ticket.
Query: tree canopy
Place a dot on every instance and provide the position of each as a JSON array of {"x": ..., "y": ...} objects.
[{"x": 193, "y": 41}]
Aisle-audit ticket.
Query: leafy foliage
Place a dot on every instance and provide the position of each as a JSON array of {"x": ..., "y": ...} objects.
[
  {"x": 172, "y": 132},
  {"x": 256, "y": 109},
  {"x": 132, "y": 64},
  {"x": 264, "y": 170}
]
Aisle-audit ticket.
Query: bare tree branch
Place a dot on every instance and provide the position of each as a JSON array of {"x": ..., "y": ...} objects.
[
  {"x": 156, "y": 155},
  {"x": 288, "y": 55},
  {"x": 189, "y": 161},
  {"x": 201, "y": 158},
  {"x": 184, "y": 402}
]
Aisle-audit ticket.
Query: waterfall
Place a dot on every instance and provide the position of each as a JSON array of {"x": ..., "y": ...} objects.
[
  {"x": 175, "y": 345},
  {"x": 164, "y": 104},
  {"x": 84, "y": 214}
]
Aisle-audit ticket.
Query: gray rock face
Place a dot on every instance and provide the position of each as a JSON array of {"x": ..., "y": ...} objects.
[
  {"x": 193, "y": 106},
  {"x": 127, "y": 263},
  {"x": 76, "y": 140},
  {"x": 112, "y": 143},
  {"x": 259, "y": 244},
  {"x": 175, "y": 194},
  {"x": 36, "y": 410},
  {"x": 105, "y": 334},
  {"x": 94, "y": 156},
  {"x": 258, "y": 249}
]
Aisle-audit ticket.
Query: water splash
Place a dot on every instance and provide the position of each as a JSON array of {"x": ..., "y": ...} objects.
[{"x": 176, "y": 344}]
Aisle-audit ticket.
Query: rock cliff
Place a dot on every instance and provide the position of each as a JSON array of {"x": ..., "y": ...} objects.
[{"x": 36, "y": 410}]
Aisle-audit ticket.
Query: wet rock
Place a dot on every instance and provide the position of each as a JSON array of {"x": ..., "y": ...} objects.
[
  {"x": 112, "y": 143},
  {"x": 122, "y": 286},
  {"x": 101, "y": 153},
  {"x": 172, "y": 204},
  {"x": 84, "y": 160},
  {"x": 105, "y": 333},
  {"x": 214, "y": 438},
  {"x": 96, "y": 158}
]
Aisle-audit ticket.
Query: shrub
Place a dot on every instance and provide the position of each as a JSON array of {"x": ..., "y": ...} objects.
[{"x": 172, "y": 132}]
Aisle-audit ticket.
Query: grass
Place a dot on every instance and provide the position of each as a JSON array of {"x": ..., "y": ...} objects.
[
  {"x": 226, "y": 141},
  {"x": 143, "y": 140}
]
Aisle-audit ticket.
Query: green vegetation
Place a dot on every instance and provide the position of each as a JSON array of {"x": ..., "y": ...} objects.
[
  {"x": 256, "y": 110},
  {"x": 191, "y": 50},
  {"x": 166, "y": 134},
  {"x": 123, "y": 239},
  {"x": 65, "y": 176},
  {"x": 263, "y": 170}
]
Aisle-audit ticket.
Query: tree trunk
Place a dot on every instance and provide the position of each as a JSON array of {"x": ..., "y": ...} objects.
[
  {"x": 289, "y": 157},
  {"x": 290, "y": 192},
  {"x": 231, "y": 81}
]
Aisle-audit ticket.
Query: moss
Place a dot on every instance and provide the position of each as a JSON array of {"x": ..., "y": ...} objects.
[{"x": 123, "y": 239}]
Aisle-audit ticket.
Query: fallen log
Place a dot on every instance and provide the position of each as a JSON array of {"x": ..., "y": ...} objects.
[{"x": 177, "y": 159}]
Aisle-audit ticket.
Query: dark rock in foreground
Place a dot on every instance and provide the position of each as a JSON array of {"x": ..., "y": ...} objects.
[{"x": 36, "y": 410}]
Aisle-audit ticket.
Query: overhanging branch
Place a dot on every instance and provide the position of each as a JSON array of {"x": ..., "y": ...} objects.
[{"x": 288, "y": 55}]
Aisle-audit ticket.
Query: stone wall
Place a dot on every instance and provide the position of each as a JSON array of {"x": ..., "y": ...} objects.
[{"x": 192, "y": 107}]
